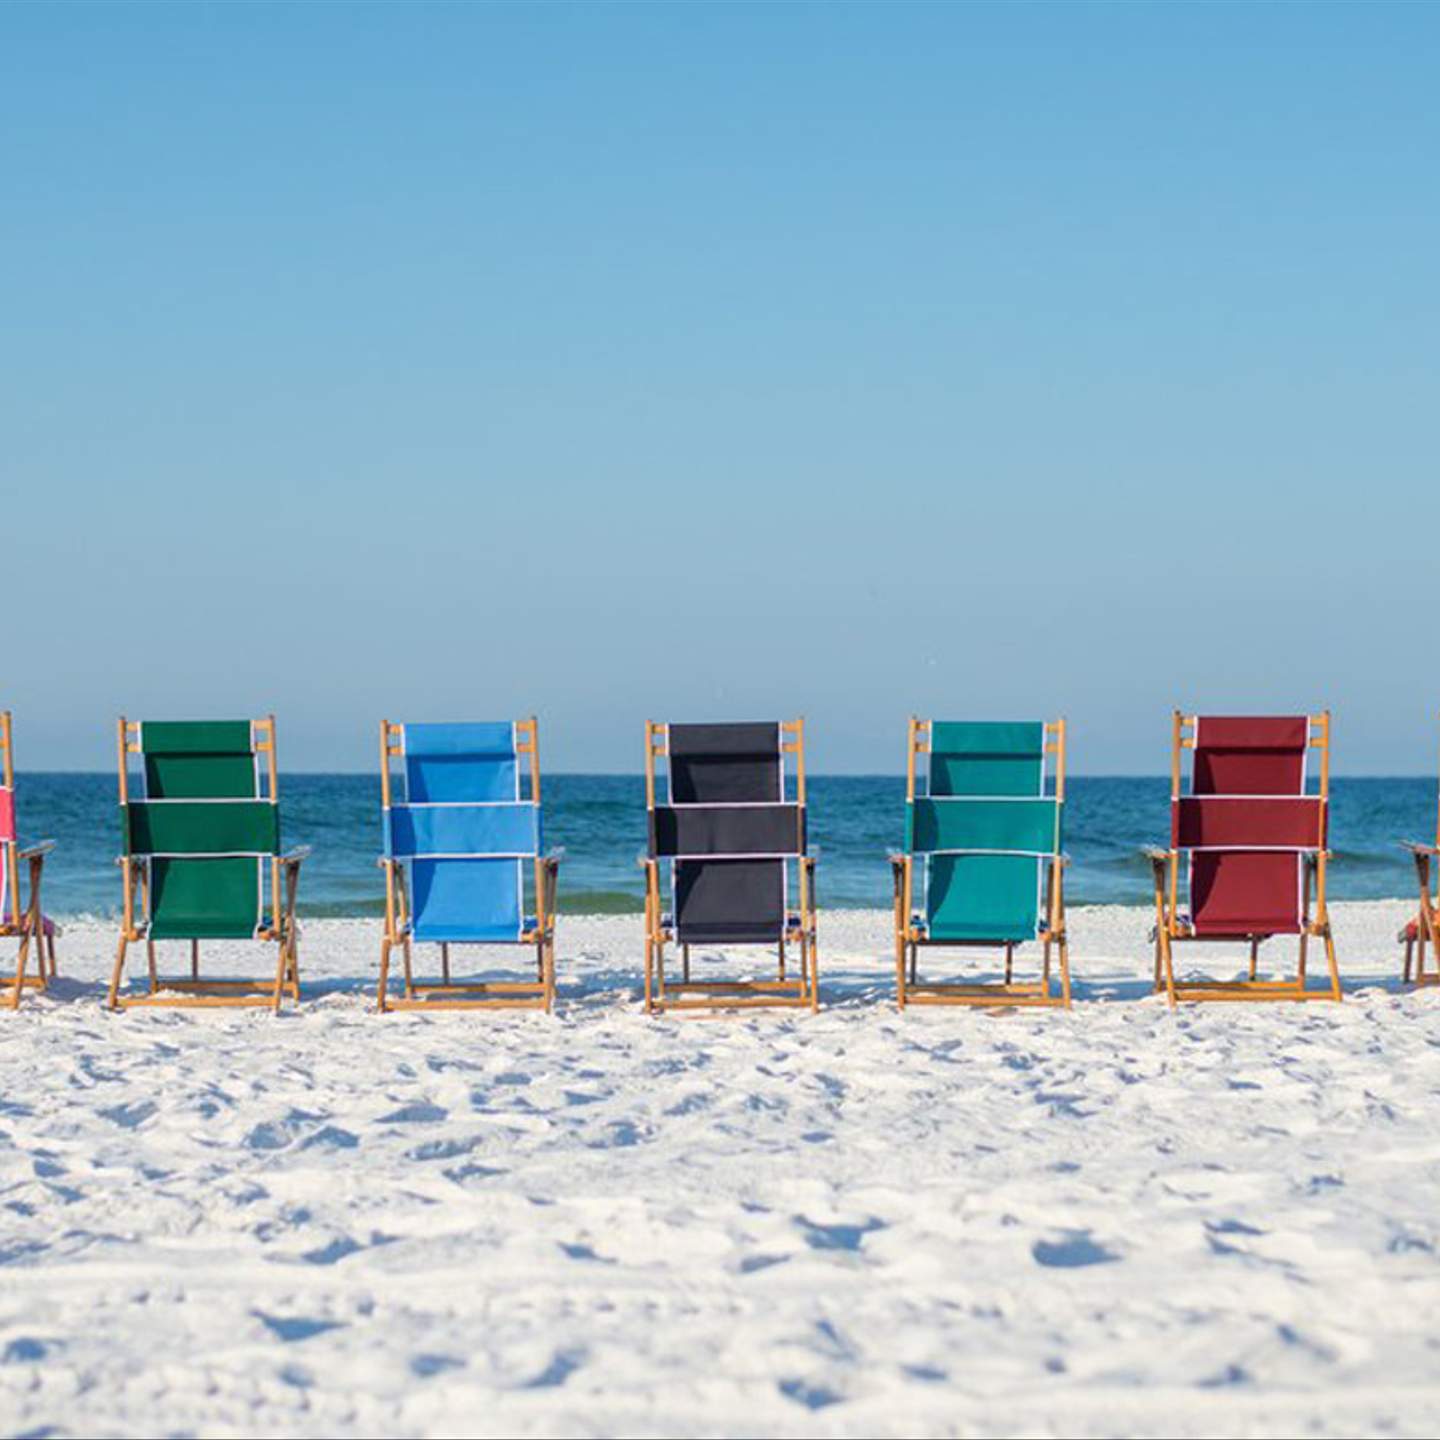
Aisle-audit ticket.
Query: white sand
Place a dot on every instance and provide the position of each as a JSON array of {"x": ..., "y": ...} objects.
[{"x": 1112, "y": 1221}]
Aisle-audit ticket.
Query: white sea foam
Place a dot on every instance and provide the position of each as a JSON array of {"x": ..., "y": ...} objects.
[{"x": 1117, "y": 1220}]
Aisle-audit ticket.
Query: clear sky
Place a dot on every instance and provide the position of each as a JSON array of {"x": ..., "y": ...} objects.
[{"x": 710, "y": 362}]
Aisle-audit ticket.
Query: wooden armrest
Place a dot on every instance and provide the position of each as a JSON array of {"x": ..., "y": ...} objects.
[
  {"x": 35, "y": 851},
  {"x": 295, "y": 856}
]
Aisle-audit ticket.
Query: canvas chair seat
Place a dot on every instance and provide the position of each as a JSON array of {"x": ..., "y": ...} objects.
[
  {"x": 1242, "y": 927},
  {"x": 979, "y": 932},
  {"x": 48, "y": 927},
  {"x": 478, "y": 933},
  {"x": 792, "y": 924},
  {"x": 179, "y": 926}
]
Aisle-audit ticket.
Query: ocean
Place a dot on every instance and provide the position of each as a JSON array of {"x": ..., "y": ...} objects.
[{"x": 600, "y": 820}]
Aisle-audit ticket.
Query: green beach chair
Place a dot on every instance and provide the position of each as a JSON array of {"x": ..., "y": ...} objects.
[
  {"x": 202, "y": 856},
  {"x": 982, "y": 856}
]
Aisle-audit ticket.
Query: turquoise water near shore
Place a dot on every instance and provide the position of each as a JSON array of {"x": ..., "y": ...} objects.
[{"x": 600, "y": 820}]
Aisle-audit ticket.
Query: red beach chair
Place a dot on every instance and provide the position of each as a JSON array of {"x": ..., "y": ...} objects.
[{"x": 1253, "y": 840}]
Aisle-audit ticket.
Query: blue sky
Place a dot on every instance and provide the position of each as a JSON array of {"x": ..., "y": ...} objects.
[{"x": 720, "y": 362}]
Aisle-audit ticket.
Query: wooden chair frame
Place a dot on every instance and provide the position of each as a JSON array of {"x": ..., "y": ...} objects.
[
  {"x": 911, "y": 936},
  {"x": 784, "y": 992},
  {"x": 1424, "y": 930},
  {"x": 283, "y": 874},
  {"x": 449, "y": 994},
  {"x": 1171, "y": 928},
  {"x": 27, "y": 922}
]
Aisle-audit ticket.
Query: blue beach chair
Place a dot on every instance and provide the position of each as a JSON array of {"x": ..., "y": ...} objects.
[{"x": 462, "y": 849}]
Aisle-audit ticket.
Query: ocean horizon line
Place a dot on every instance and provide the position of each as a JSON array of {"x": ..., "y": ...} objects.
[{"x": 899, "y": 775}]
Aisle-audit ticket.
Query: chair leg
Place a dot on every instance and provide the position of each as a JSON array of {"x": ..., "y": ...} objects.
[
  {"x": 20, "y": 968},
  {"x": 780, "y": 972},
  {"x": 900, "y": 968},
  {"x": 282, "y": 963},
  {"x": 1064, "y": 971},
  {"x": 649, "y": 972},
  {"x": 113, "y": 999},
  {"x": 50, "y": 947},
  {"x": 1009, "y": 963},
  {"x": 549, "y": 975},
  {"x": 685, "y": 963},
  {"x": 1304, "y": 947},
  {"x": 383, "y": 984},
  {"x": 1159, "y": 968},
  {"x": 194, "y": 959},
  {"x": 812, "y": 948},
  {"x": 1409, "y": 956},
  {"x": 1254, "y": 956},
  {"x": 445, "y": 962},
  {"x": 1169, "y": 966},
  {"x": 1335, "y": 991},
  {"x": 914, "y": 964},
  {"x": 150, "y": 962},
  {"x": 409, "y": 972},
  {"x": 1045, "y": 967}
]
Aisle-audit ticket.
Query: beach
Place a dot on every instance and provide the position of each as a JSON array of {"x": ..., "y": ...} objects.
[{"x": 1116, "y": 1220}]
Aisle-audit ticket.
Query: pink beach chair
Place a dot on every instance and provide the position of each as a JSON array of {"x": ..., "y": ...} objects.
[{"x": 28, "y": 922}]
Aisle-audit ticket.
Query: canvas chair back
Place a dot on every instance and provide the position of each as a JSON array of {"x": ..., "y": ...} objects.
[
  {"x": 1246, "y": 824},
  {"x": 728, "y": 831},
  {"x": 207, "y": 826},
  {"x": 986, "y": 829},
  {"x": 465, "y": 831}
]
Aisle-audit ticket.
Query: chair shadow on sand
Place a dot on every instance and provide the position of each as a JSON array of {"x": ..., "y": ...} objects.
[{"x": 851, "y": 985}]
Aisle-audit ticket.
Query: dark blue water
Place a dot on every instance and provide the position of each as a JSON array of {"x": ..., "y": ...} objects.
[{"x": 600, "y": 819}]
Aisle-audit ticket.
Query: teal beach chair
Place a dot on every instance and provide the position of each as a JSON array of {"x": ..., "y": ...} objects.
[{"x": 982, "y": 865}]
